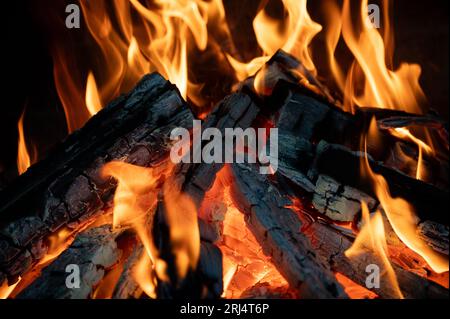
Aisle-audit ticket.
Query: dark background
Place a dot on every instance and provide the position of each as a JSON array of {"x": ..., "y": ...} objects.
[{"x": 30, "y": 27}]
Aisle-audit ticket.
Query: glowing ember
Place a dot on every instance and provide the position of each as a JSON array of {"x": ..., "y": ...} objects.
[{"x": 244, "y": 262}]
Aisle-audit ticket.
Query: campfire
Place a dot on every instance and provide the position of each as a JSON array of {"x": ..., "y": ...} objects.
[{"x": 198, "y": 167}]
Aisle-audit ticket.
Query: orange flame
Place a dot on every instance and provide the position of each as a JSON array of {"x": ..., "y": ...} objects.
[
  {"x": 134, "y": 205},
  {"x": 293, "y": 37},
  {"x": 6, "y": 290},
  {"x": 372, "y": 236},
  {"x": 404, "y": 133},
  {"x": 23, "y": 158},
  {"x": 402, "y": 218},
  {"x": 93, "y": 102},
  {"x": 184, "y": 232},
  {"x": 383, "y": 87}
]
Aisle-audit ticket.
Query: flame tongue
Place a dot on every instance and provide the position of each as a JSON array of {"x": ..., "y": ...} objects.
[
  {"x": 23, "y": 158},
  {"x": 134, "y": 205},
  {"x": 402, "y": 217},
  {"x": 372, "y": 236}
]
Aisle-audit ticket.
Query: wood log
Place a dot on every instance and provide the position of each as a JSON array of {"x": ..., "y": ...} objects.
[
  {"x": 343, "y": 165},
  {"x": 339, "y": 202},
  {"x": 435, "y": 235},
  {"x": 66, "y": 189},
  {"x": 277, "y": 230},
  {"x": 331, "y": 245},
  {"x": 194, "y": 179},
  {"x": 93, "y": 251},
  {"x": 278, "y": 226}
]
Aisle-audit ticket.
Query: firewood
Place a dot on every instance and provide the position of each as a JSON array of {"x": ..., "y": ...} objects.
[
  {"x": 331, "y": 245},
  {"x": 277, "y": 229},
  {"x": 66, "y": 189},
  {"x": 339, "y": 202},
  {"x": 93, "y": 251},
  {"x": 343, "y": 165},
  {"x": 237, "y": 110},
  {"x": 435, "y": 235}
]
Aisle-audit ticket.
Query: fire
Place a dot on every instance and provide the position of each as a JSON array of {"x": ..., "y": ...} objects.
[
  {"x": 293, "y": 35},
  {"x": 404, "y": 133},
  {"x": 93, "y": 102},
  {"x": 23, "y": 158},
  {"x": 184, "y": 232},
  {"x": 244, "y": 263},
  {"x": 402, "y": 218},
  {"x": 134, "y": 205},
  {"x": 372, "y": 236},
  {"x": 383, "y": 87},
  {"x": 6, "y": 290},
  {"x": 57, "y": 243}
]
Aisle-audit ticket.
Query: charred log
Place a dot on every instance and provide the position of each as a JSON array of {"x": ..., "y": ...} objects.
[{"x": 66, "y": 189}]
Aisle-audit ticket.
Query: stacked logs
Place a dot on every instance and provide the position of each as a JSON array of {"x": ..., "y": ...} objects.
[{"x": 319, "y": 166}]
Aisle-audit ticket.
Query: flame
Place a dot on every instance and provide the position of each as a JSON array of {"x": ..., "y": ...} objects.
[
  {"x": 293, "y": 35},
  {"x": 134, "y": 203},
  {"x": 184, "y": 232},
  {"x": 383, "y": 87},
  {"x": 372, "y": 236},
  {"x": 6, "y": 290},
  {"x": 23, "y": 158},
  {"x": 57, "y": 243},
  {"x": 404, "y": 133},
  {"x": 402, "y": 218},
  {"x": 144, "y": 277},
  {"x": 93, "y": 102}
]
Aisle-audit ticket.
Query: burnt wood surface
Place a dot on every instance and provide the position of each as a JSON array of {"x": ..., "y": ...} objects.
[
  {"x": 66, "y": 189},
  {"x": 277, "y": 229}
]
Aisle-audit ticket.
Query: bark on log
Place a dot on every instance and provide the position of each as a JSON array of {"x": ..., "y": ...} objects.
[
  {"x": 93, "y": 251},
  {"x": 331, "y": 245},
  {"x": 277, "y": 230},
  {"x": 235, "y": 111},
  {"x": 339, "y": 202},
  {"x": 65, "y": 188},
  {"x": 344, "y": 166}
]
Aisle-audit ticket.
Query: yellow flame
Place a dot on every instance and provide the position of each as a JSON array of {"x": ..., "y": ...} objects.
[
  {"x": 404, "y": 133},
  {"x": 372, "y": 236},
  {"x": 23, "y": 158},
  {"x": 93, "y": 102},
  {"x": 184, "y": 232},
  {"x": 383, "y": 87},
  {"x": 401, "y": 216},
  {"x": 6, "y": 290},
  {"x": 134, "y": 205}
]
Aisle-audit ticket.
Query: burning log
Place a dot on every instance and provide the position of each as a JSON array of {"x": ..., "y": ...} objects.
[
  {"x": 343, "y": 165},
  {"x": 325, "y": 245},
  {"x": 235, "y": 111},
  {"x": 435, "y": 235},
  {"x": 331, "y": 245},
  {"x": 338, "y": 202},
  {"x": 278, "y": 231},
  {"x": 92, "y": 252},
  {"x": 66, "y": 190}
]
